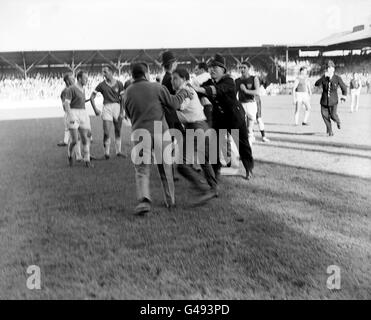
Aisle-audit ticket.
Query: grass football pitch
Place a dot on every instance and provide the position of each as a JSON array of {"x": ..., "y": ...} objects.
[{"x": 307, "y": 208}]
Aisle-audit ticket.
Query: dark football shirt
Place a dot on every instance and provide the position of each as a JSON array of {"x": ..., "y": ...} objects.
[
  {"x": 76, "y": 96},
  {"x": 110, "y": 94},
  {"x": 250, "y": 85}
]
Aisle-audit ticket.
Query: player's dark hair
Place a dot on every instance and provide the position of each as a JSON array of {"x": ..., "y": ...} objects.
[
  {"x": 168, "y": 65},
  {"x": 183, "y": 73},
  {"x": 139, "y": 70},
  {"x": 202, "y": 65},
  {"x": 66, "y": 77},
  {"x": 80, "y": 73}
]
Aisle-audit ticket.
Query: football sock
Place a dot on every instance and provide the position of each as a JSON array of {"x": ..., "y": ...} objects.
[{"x": 118, "y": 145}]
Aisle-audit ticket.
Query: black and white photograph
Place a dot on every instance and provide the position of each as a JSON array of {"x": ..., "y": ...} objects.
[{"x": 185, "y": 150}]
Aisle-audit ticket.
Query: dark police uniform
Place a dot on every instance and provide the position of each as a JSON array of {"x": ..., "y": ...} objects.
[
  {"x": 228, "y": 114},
  {"x": 330, "y": 99}
]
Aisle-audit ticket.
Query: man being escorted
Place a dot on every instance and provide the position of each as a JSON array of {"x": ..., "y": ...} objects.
[
  {"x": 202, "y": 75},
  {"x": 112, "y": 91},
  {"x": 330, "y": 83},
  {"x": 78, "y": 118},
  {"x": 191, "y": 114},
  {"x": 144, "y": 102}
]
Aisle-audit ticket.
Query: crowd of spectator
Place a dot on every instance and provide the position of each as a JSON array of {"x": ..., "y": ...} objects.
[{"x": 49, "y": 85}]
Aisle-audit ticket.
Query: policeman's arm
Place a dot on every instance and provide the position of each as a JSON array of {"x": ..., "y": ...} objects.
[
  {"x": 220, "y": 89},
  {"x": 342, "y": 85},
  {"x": 319, "y": 81}
]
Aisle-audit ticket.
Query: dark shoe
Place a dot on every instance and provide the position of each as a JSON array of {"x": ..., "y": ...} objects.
[
  {"x": 93, "y": 158},
  {"x": 170, "y": 206},
  {"x": 249, "y": 175},
  {"x": 70, "y": 161},
  {"x": 62, "y": 144},
  {"x": 215, "y": 190},
  {"x": 205, "y": 197},
  {"x": 330, "y": 134},
  {"x": 88, "y": 164},
  {"x": 339, "y": 125},
  {"x": 121, "y": 155},
  {"x": 142, "y": 208},
  {"x": 217, "y": 175},
  {"x": 305, "y": 124},
  {"x": 106, "y": 156}
]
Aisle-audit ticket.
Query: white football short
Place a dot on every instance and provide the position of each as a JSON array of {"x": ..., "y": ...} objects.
[
  {"x": 79, "y": 119},
  {"x": 111, "y": 111},
  {"x": 251, "y": 108},
  {"x": 302, "y": 97}
]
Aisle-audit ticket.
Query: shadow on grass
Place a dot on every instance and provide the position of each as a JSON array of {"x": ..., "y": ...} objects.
[
  {"x": 313, "y": 170},
  {"x": 321, "y": 143},
  {"x": 76, "y": 224},
  {"x": 316, "y": 150}
]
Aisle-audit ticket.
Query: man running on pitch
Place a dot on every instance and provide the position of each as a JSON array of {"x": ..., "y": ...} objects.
[
  {"x": 112, "y": 91},
  {"x": 330, "y": 83}
]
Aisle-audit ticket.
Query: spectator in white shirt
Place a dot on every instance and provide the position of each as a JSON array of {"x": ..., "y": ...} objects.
[
  {"x": 192, "y": 117},
  {"x": 202, "y": 76}
]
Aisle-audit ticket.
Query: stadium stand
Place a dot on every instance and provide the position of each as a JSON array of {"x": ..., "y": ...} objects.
[{"x": 38, "y": 75}]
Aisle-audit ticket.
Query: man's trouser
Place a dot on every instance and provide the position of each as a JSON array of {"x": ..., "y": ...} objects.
[
  {"x": 240, "y": 135},
  {"x": 142, "y": 171},
  {"x": 202, "y": 151},
  {"x": 329, "y": 113}
]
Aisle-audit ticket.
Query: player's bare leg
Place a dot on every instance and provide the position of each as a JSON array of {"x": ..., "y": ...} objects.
[
  {"x": 117, "y": 126},
  {"x": 74, "y": 136},
  {"x": 297, "y": 112},
  {"x": 85, "y": 146},
  {"x": 262, "y": 129},
  {"x": 307, "y": 113},
  {"x": 106, "y": 138}
]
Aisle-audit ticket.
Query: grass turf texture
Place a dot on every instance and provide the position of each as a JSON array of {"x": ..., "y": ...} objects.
[{"x": 272, "y": 237}]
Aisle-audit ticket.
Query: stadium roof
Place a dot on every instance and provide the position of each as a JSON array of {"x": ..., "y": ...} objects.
[
  {"x": 25, "y": 61},
  {"x": 358, "y": 38}
]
